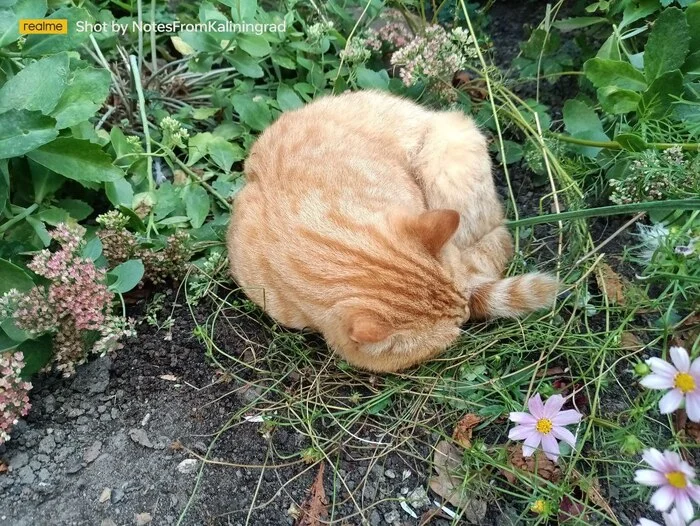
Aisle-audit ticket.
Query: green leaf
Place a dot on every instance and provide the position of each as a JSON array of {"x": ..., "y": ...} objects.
[
  {"x": 224, "y": 153},
  {"x": 583, "y": 123},
  {"x": 9, "y": 18},
  {"x": 368, "y": 79},
  {"x": 22, "y": 131},
  {"x": 39, "y": 86},
  {"x": 287, "y": 98},
  {"x": 13, "y": 277},
  {"x": 86, "y": 92},
  {"x": 203, "y": 113},
  {"x": 631, "y": 142},
  {"x": 242, "y": 10},
  {"x": 4, "y": 184},
  {"x": 638, "y": 10},
  {"x": 579, "y": 22},
  {"x": 40, "y": 230},
  {"x": 513, "y": 151},
  {"x": 610, "y": 48},
  {"x": 77, "y": 159},
  {"x": 126, "y": 276},
  {"x": 120, "y": 192},
  {"x": 7, "y": 343},
  {"x": 245, "y": 64},
  {"x": 198, "y": 147},
  {"x": 254, "y": 45},
  {"x": 53, "y": 216},
  {"x": 254, "y": 113},
  {"x": 92, "y": 249},
  {"x": 617, "y": 101},
  {"x": 668, "y": 44},
  {"x": 78, "y": 210},
  {"x": 197, "y": 205},
  {"x": 37, "y": 45},
  {"x": 37, "y": 354},
  {"x": 692, "y": 15},
  {"x": 603, "y": 73},
  {"x": 657, "y": 100}
]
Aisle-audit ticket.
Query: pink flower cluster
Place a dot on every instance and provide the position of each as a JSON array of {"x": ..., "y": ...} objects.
[
  {"x": 394, "y": 33},
  {"x": 76, "y": 300},
  {"x": 14, "y": 400}
]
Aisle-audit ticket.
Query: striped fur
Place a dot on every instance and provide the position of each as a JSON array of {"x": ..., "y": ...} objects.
[{"x": 375, "y": 222}]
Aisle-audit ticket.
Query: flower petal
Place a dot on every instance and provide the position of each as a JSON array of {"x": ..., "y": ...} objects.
[
  {"x": 663, "y": 498},
  {"x": 692, "y": 406},
  {"x": 565, "y": 435},
  {"x": 521, "y": 432},
  {"x": 647, "y": 522},
  {"x": 536, "y": 406},
  {"x": 531, "y": 443},
  {"x": 695, "y": 367},
  {"x": 550, "y": 446},
  {"x": 570, "y": 416},
  {"x": 684, "y": 506},
  {"x": 680, "y": 358},
  {"x": 649, "y": 477},
  {"x": 655, "y": 459},
  {"x": 553, "y": 405},
  {"x": 670, "y": 401},
  {"x": 657, "y": 381},
  {"x": 662, "y": 367},
  {"x": 522, "y": 418}
]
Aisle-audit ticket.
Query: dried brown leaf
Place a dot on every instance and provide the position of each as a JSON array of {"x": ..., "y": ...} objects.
[
  {"x": 611, "y": 284},
  {"x": 462, "y": 433},
  {"x": 447, "y": 462},
  {"x": 590, "y": 487},
  {"x": 535, "y": 464},
  {"x": 434, "y": 513},
  {"x": 315, "y": 507},
  {"x": 3, "y": 467},
  {"x": 630, "y": 342}
]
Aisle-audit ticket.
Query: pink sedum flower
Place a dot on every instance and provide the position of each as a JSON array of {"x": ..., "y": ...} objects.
[
  {"x": 675, "y": 479},
  {"x": 544, "y": 425},
  {"x": 682, "y": 378},
  {"x": 673, "y": 518},
  {"x": 14, "y": 392}
]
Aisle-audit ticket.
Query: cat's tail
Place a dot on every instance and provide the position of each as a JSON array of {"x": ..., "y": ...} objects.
[{"x": 511, "y": 297}]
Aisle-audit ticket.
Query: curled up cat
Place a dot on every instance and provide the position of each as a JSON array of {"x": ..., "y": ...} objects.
[{"x": 376, "y": 222}]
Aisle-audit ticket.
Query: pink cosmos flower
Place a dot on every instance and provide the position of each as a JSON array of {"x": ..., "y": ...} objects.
[
  {"x": 682, "y": 378},
  {"x": 673, "y": 518},
  {"x": 544, "y": 424},
  {"x": 675, "y": 479}
]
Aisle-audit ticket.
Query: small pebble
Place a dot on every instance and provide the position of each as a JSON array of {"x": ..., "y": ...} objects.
[
  {"x": 143, "y": 518},
  {"x": 189, "y": 465},
  {"x": 105, "y": 495}
]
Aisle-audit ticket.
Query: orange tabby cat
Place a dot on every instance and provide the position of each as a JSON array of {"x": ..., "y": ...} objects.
[{"x": 376, "y": 222}]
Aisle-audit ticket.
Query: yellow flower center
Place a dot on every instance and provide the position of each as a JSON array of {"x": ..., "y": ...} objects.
[
  {"x": 684, "y": 382},
  {"x": 544, "y": 425},
  {"x": 677, "y": 479},
  {"x": 539, "y": 507}
]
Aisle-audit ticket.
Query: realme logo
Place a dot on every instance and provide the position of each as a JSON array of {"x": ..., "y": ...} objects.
[{"x": 43, "y": 26}]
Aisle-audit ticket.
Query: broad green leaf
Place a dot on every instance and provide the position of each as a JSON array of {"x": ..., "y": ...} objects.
[
  {"x": 368, "y": 79},
  {"x": 53, "y": 215},
  {"x": 242, "y": 10},
  {"x": 618, "y": 101},
  {"x": 37, "y": 45},
  {"x": 39, "y": 86},
  {"x": 638, "y": 10},
  {"x": 92, "y": 249},
  {"x": 198, "y": 147},
  {"x": 579, "y": 22},
  {"x": 4, "y": 184},
  {"x": 120, "y": 192},
  {"x": 37, "y": 354},
  {"x": 583, "y": 123},
  {"x": 245, "y": 64},
  {"x": 692, "y": 15},
  {"x": 10, "y": 17},
  {"x": 13, "y": 277},
  {"x": 610, "y": 48},
  {"x": 86, "y": 92},
  {"x": 224, "y": 153},
  {"x": 668, "y": 44},
  {"x": 253, "y": 112},
  {"x": 126, "y": 276},
  {"x": 197, "y": 205},
  {"x": 657, "y": 100},
  {"x": 201, "y": 41},
  {"x": 77, "y": 159},
  {"x": 22, "y": 131},
  {"x": 513, "y": 152},
  {"x": 40, "y": 230},
  {"x": 15, "y": 333},
  {"x": 203, "y": 113},
  {"x": 77, "y": 209},
  {"x": 631, "y": 142},
  {"x": 603, "y": 73},
  {"x": 692, "y": 65},
  {"x": 44, "y": 181},
  {"x": 7, "y": 343},
  {"x": 287, "y": 98},
  {"x": 254, "y": 45}
]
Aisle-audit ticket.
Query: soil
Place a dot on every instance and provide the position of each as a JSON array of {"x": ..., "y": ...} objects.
[{"x": 121, "y": 442}]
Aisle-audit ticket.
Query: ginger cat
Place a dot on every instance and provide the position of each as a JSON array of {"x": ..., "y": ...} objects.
[{"x": 376, "y": 222}]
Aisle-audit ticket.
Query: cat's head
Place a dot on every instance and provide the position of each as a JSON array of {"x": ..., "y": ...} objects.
[{"x": 413, "y": 309}]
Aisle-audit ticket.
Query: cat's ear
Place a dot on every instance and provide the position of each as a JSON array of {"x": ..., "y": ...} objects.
[
  {"x": 434, "y": 228},
  {"x": 364, "y": 327}
]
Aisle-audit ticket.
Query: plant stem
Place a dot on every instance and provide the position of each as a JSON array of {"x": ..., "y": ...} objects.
[
  {"x": 26, "y": 212},
  {"x": 675, "y": 204},
  {"x": 613, "y": 145}
]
